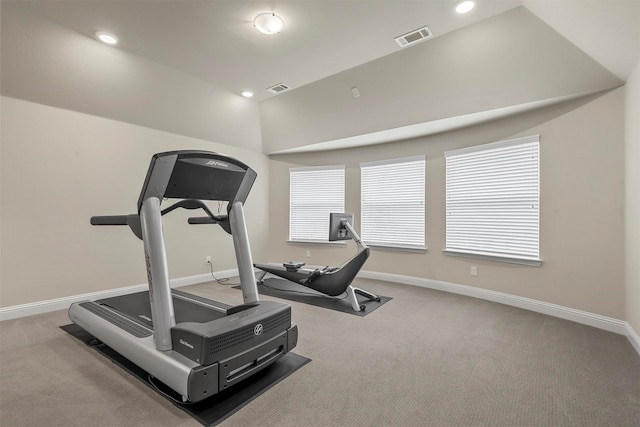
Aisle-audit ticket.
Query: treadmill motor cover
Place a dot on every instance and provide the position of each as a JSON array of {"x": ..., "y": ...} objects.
[{"x": 207, "y": 343}]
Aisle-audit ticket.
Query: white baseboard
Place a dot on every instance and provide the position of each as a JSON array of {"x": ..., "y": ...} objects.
[
  {"x": 597, "y": 321},
  {"x": 63, "y": 303},
  {"x": 633, "y": 337}
]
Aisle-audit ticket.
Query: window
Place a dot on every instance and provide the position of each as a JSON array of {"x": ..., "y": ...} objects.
[
  {"x": 392, "y": 196},
  {"x": 314, "y": 192},
  {"x": 493, "y": 200}
]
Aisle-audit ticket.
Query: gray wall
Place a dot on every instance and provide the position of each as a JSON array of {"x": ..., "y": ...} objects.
[
  {"x": 59, "y": 168},
  {"x": 582, "y": 202},
  {"x": 632, "y": 198}
]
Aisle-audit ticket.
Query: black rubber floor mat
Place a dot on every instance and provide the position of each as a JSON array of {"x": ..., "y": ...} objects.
[{"x": 214, "y": 410}]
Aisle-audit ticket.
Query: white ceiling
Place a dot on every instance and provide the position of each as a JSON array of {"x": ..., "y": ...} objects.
[
  {"x": 181, "y": 65},
  {"x": 214, "y": 41}
]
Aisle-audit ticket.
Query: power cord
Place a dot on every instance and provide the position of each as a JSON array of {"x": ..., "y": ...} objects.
[{"x": 220, "y": 281}]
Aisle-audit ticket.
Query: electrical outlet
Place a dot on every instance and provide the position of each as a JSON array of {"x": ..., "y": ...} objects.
[
  {"x": 308, "y": 254},
  {"x": 474, "y": 270},
  {"x": 207, "y": 260}
]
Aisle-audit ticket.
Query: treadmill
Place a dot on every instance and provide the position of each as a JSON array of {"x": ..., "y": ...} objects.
[{"x": 196, "y": 346}]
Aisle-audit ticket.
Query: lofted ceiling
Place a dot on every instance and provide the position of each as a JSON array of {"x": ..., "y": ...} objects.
[{"x": 214, "y": 43}]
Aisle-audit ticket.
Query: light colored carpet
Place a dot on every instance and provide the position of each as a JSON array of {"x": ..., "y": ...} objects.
[{"x": 426, "y": 358}]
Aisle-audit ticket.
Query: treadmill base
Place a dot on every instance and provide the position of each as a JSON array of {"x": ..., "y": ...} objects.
[{"x": 214, "y": 409}]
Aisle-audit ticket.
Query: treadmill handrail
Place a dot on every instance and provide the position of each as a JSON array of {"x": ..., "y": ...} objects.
[
  {"x": 191, "y": 204},
  {"x": 133, "y": 220}
]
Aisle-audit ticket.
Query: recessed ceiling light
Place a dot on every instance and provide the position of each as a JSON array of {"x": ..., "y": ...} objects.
[
  {"x": 465, "y": 6},
  {"x": 247, "y": 93},
  {"x": 107, "y": 38},
  {"x": 268, "y": 23}
]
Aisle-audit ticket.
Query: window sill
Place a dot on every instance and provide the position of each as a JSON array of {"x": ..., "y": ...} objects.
[
  {"x": 316, "y": 242},
  {"x": 422, "y": 249},
  {"x": 521, "y": 261}
]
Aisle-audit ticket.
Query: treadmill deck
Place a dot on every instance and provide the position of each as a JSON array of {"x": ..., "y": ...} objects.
[{"x": 186, "y": 307}]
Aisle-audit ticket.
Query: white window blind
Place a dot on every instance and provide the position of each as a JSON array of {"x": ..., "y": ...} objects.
[
  {"x": 314, "y": 192},
  {"x": 493, "y": 200},
  {"x": 392, "y": 196}
]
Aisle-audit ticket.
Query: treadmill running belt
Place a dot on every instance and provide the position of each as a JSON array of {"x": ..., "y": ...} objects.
[{"x": 138, "y": 307}]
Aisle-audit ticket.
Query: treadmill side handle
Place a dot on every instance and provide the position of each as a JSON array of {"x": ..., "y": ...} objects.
[{"x": 132, "y": 220}]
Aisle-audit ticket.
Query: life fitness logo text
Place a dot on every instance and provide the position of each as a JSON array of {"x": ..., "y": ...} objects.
[
  {"x": 258, "y": 329},
  {"x": 216, "y": 163}
]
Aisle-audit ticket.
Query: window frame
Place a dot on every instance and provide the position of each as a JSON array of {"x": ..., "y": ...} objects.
[
  {"x": 321, "y": 221},
  {"x": 366, "y": 218},
  {"x": 508, "y": 243}
]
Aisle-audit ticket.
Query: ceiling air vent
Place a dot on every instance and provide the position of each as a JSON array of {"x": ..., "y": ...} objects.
[
  {"x": 278, "y": 88},
  {"x": 414, "y": 36}
]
